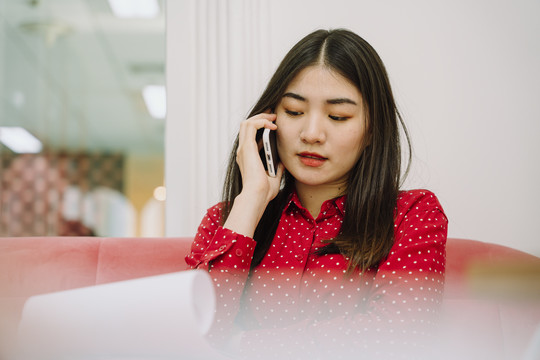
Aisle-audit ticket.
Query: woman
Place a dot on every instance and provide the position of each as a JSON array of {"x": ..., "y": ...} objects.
[{"x": 329, "y": 250}]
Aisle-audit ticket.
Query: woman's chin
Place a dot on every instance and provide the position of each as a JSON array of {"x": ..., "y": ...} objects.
[{"x": 311, "y": 180}]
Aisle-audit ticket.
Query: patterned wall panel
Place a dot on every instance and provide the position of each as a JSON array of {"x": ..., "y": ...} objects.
[{"x": 32, "y": 189}]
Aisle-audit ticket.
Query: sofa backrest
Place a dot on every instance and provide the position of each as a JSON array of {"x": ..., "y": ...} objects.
[
  {"x": 468, "y": 260},
  {"x": 35, "y": 265}
]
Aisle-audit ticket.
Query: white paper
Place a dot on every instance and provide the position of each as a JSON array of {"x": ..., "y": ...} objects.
[{"x": 159, "y": 316}]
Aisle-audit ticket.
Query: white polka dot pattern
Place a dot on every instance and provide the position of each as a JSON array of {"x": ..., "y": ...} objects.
[{"x": 296, "y": 297}]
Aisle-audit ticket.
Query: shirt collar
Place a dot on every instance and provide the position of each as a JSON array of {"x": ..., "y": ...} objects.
[
  {"x": 340, "y": 203},
  {"x": 294, "y": 201}
]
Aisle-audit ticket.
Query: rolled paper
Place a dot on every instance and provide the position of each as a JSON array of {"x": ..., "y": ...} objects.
[{"x": 159, "y": 316}]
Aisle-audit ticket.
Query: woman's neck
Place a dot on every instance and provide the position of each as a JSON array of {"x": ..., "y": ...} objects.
[{"x": 312, "y": 197}]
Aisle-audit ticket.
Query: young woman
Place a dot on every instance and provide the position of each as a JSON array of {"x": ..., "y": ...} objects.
[{"x": 329, "y": 251}]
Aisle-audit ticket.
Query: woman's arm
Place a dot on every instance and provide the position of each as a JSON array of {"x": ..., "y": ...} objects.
[{"x": 226, "y": 251}]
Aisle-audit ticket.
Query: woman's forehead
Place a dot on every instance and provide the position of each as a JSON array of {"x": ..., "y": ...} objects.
[{"x": 321, "y": 83}]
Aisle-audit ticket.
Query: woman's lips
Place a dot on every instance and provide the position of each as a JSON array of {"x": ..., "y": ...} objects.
[{"x": 312, "y": 159}]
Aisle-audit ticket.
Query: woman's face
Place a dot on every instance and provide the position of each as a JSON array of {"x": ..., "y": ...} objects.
[{"x": 321, "y": 126}]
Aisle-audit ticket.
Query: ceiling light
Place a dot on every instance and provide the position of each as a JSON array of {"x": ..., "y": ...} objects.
[
  {"x": 19, "y": 140},
  {"x": 155, "y": 99},
  {"x": 134, "y": 8}
]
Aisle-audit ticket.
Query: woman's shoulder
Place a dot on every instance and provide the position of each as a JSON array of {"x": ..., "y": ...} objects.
[
  {"x": 417, "y": 199},
  {"x": 419, "y": 220}
]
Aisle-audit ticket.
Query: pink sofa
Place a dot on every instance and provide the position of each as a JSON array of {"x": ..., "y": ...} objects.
[{"x": 499, "y": 326}]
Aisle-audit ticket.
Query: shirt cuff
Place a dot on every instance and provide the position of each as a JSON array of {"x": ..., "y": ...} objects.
[{"x": 229, "y": 249}]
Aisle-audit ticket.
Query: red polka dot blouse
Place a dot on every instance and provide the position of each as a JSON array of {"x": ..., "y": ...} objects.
[{"x": 302, "y": 300}]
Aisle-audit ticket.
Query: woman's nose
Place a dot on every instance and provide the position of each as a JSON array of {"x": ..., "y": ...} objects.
[{"x": 313, "y": 130}]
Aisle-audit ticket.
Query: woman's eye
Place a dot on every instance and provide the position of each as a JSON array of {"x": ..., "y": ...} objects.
[
  {"x": 293, "y": 113},
  {"x": 338, "y": 118}
]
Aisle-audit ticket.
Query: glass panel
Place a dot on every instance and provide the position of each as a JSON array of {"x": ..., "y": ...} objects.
[{"x": 72, "y": 74}]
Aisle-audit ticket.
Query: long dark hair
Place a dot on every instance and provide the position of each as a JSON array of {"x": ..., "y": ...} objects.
[{"x": 367, "y": 232}]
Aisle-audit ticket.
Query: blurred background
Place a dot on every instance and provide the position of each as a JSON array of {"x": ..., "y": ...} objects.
[
  {"x": 85, "y": 79},
  {"x": 82, "y": 117}
]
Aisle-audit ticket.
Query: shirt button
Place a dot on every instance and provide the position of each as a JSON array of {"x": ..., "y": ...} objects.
[
  {"x": 289, "y": 300},
  {"x": 239, "y": 252},
  {"x": 299, "y": 257},
  {"x": 222, "y": 247}
]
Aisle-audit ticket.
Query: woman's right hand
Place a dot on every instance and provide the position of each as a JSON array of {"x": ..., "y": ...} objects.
[
  {"x": 255, "y": 181},
  {"x": 258, "y": 188}
]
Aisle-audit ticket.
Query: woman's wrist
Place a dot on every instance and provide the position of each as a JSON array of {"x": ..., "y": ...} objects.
[{"x": 245, "y": 213}]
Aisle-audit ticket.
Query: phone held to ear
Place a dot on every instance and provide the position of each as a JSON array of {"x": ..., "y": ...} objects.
[{"x": 270, "y": 151}]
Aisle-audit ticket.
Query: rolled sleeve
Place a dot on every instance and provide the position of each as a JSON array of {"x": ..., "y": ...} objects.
[
  {"x": 228, "y": 250},
  {"x": 215, "y": 246}
]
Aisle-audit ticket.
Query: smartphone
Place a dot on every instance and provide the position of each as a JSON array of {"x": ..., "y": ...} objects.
[{"x": 270, "y": 151}]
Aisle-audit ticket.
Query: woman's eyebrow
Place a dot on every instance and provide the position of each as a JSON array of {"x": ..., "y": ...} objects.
[
  {"x": 329, "y": 101},
  {"x": 294, "y": 96},
  {"x": 341, "y": 101}
]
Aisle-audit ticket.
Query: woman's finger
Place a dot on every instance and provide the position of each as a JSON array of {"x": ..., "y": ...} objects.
[{"x": 249, "y": 127}]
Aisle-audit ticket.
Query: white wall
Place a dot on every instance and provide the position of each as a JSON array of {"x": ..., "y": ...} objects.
[
  {"x": 217, "y": 62},
  {"x": 466, "y": 77}
]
